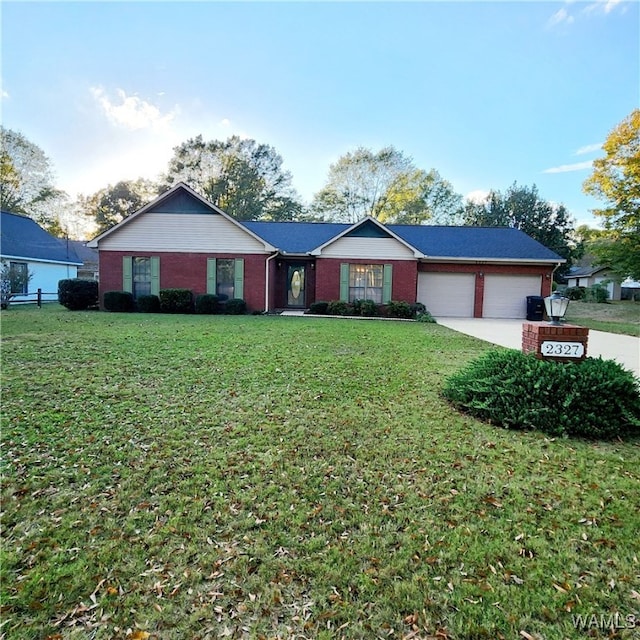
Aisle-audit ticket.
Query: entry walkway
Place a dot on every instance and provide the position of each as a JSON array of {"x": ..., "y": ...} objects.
[{"x": 508, "y": 333}]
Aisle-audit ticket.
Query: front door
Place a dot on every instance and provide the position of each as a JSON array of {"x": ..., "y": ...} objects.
[{"x": 295, "y": 285}]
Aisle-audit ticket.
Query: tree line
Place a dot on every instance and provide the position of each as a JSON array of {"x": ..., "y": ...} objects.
[{"x": 247, "y": 180}]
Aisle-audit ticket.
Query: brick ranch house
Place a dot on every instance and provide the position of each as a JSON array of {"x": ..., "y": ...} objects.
[{"x": 180, "y": 240}]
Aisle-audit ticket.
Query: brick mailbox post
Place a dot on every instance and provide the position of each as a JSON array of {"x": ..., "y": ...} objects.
[
  {"x": 561, "y": 343},
  {"x": 555, "y": 340}
]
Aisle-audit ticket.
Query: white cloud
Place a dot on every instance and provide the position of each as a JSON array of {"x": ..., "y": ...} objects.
[
  {"x": 225, "y": 122},
  {"x": 478, "y": 196},
  {"x": 566, "y": 168},
  {"x": 604, "y": 6},
  {"x": 131, "y": 112},
  {"x": 560, "y": 16},
  {"x": 589, "y": 148}
]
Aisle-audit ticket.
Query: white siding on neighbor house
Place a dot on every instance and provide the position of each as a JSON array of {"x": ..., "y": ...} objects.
[
  {"x": 181, "y": 233},
  {"x": 374, "y": 249},
  {"x": 46, "y": 277},
  {"x": 505, "y": 296},
  {"x": 448, "y": 295}
]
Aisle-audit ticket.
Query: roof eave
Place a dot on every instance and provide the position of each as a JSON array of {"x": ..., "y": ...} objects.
[
  {"x": 47, "y": 260},
  {"x": 481, "y": 260}
]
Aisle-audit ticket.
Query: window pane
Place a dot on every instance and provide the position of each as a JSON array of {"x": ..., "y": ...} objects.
[
  {"x": 365, "y": 282},
  {"x": 225, "y": 277},
  {"x": 18, "y": 277},
  {"x": 141, "y": 272}
]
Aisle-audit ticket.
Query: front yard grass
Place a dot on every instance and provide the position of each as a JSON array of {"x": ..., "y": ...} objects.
[
  {"x": 613, "y": 317},
  {"x": 180, "y": 477}
]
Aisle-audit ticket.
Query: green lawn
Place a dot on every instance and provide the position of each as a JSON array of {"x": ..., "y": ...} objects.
[
  {"x": 180, "y": 477},
  {"x": 613, "y": 317}
]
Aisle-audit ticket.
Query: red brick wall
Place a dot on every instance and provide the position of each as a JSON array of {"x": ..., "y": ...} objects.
[
  {"x": 187, "y": 271},
  {"x": 404, "y": 283}
]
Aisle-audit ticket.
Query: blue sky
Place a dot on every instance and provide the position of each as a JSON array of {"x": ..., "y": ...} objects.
[{"x": 487, "y": 93}]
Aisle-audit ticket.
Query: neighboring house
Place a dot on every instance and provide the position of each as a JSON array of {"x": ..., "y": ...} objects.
[
  {"x": 89, "y": 258},
  {"x": 181, "y": 240},
  {"x": 588, "y": 276},
  {"x": 24, "y": 244}
]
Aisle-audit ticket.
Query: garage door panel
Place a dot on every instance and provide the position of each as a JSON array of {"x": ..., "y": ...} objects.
[
  {"x": 447, "y": 294},
  {"x": 505, "y": 296}
]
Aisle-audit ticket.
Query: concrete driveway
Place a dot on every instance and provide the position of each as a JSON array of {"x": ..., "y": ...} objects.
[{"x": 508, "y": 333}]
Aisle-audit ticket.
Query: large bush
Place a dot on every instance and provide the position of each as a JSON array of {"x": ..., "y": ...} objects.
[
  {"x": 235, "y": 307},
  {"x": 597, "y": 293},
  {"x": 76, "y": 294},
  {"x": 148, "y": 304},
  {"x": 121, "y": 301},
  {"x": 207, "y": 303},
  {"x": 595, "y": 398},
  {"x": 339, "y": 308},
  {"x": 400, "y": 309},
  {"x": 176, "y": 301},
  {"x": 319, "y": 307}
]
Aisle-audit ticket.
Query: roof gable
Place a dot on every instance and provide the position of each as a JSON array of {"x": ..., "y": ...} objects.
[
  {"x": 181, "y": 199},
  {"x": 22, "y": 238},
  {"x": 368, "y": 228}
]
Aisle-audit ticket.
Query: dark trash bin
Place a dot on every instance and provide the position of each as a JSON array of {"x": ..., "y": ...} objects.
[{"x": 535, "y": 308}]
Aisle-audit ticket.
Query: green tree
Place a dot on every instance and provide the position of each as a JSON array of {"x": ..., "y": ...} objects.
[
  {"x": 114, "y": 203},
  {"x": 523, "y": 208},
  {"x": 245, "y": 179},
  {"x": 385, "y": 185},
  {"x": 616, "y": 181},
  {"x": 14, "y": 280},
  {"x": 26, "y": 180}
]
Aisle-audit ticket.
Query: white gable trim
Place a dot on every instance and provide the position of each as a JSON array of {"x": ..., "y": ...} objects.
[
  {"x": 318, "y": 250},
  {"x": 94, "y": 244}
]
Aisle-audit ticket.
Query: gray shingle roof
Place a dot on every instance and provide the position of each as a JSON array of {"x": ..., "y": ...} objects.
[
  {"x": 22, "y": 237},
  {"x": 498, "y": 243},
  {"x": 501, "y": 243}
]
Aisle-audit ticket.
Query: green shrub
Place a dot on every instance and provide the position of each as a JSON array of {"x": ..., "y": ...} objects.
[
  {"x": 594, "y": 399},
  {"x": 597, "y": 293},
  {"x": 148, "y": 304},
  {"x": 176, "y": 301},
  {"x": 425, "y": 316},
  {"x": 368, "y": 308},
  {"x": 119, "y": 301},
  {"x": 318, "y": 308},
  {"x": 235, "y": 307},
  {"x": 399, "y": 309},
  {"x": 339, "y": 308},
  {"x": 76, "y": 294},
  {"x": 207, "y": 303},
  {"x": 417, "y": 308},
  {"x": 575, "y": 293}
]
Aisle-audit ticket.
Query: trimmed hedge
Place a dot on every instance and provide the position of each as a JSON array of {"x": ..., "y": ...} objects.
[
  {"x": 77, "y": 294},
  {"x": 593, "y": 399},
  {"x": 121, "y": 301},
  {"x": 371, "y": 309},
  {"x": 207, "y": 303},
  {"x": 399, "y": 309},
  {"x": 235, "y": 307},
  {"x": 148, "y": 304},
  {"x": 176, "y": 301},
  {"x": 319, "y": 307}
]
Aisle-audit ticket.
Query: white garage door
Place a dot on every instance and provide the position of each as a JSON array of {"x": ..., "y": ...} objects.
[
  {"x": 449, "y": 295},
  {"x": 505, "y": 296}
]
